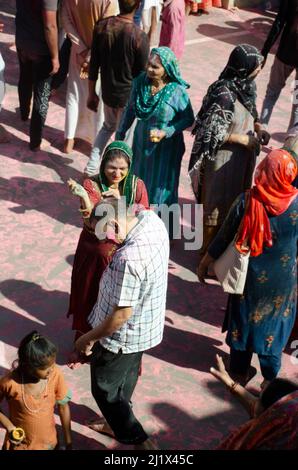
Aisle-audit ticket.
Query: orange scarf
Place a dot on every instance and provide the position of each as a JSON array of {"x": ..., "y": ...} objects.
[{"x": 272, "y": 193}]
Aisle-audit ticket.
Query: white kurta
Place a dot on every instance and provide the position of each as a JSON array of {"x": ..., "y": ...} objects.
[
  {"x": 78, "y": 18},
  {"x": 79, "y": 120},
  {"x": 2, "y": 82}
]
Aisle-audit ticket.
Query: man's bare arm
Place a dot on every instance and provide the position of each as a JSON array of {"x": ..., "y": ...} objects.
[{"x": 51, "y": 35}]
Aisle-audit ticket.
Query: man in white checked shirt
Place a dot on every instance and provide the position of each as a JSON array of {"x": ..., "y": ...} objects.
[{"x": 128, "y": 317}]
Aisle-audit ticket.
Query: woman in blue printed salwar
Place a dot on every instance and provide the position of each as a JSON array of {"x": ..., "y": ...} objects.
[
  {"x": 163, "y": 110},
  {"x": 260, "y": 321}
]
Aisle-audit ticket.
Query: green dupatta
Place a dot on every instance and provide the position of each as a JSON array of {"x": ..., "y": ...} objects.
[
  {"x": 128, "y": 186},
  {"x": 148, "y": 104}
]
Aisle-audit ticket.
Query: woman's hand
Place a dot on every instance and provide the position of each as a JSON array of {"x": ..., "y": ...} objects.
[
  {"x": 85, "y": 213},
  {"x": 75, "y": 188},
  {"x": 263, "y": 136},
  {"x": 111, "y": 193},
  {"x": 202, "y": 268},
  {"x": 249, "y": 141},
  {"x": 220, "y": 372},
  {"x": 156, "y": 135}
]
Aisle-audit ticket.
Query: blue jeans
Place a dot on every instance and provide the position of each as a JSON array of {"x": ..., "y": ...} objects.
[{"x": 112, "y": 118}]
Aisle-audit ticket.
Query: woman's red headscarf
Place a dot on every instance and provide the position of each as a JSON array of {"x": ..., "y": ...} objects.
[{"x": 272, "y": 194}]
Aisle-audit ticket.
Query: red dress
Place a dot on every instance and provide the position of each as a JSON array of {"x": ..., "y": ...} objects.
[{"x": 91, "y": 259}]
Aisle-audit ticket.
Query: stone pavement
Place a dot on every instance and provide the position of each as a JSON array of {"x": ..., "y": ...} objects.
[{"x": 176, "y": 399}]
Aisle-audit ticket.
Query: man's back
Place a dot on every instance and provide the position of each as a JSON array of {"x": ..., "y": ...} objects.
[
  {"x": 121, "y": 51},
  {"x": 29, "y": 25}
]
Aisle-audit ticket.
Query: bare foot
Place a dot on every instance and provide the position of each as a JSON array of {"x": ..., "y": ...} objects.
[
  {"x": 147, "y": 445},
  {"x": 100, "y": 425},
  {"x": 233, "y": 9},
  {"x": 68, "y": 145}
]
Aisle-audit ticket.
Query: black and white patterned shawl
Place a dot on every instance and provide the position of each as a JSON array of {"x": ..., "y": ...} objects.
[{"x": 217, "y": 111}]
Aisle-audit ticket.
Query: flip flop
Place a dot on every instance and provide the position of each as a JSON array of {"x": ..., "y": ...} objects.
[{"x": 98, "y": 425}]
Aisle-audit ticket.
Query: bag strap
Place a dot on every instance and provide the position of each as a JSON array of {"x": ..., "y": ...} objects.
[{"x": 246, "y": 205}]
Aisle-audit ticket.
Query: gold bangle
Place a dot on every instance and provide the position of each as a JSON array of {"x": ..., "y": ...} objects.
[{"x": 233, "y": 387}]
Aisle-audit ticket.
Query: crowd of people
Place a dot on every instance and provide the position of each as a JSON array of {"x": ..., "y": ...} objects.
[{"x": 117, "y": 86}]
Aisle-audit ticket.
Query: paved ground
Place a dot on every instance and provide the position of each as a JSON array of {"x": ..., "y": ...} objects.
[{"x": 176, "y": 397}]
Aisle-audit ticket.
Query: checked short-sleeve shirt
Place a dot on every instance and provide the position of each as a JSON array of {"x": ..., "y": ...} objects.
[{"x": 137, "y": 278}]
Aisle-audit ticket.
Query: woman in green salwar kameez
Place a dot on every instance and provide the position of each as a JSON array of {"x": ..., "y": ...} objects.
[{"x": 161, "y": 105}]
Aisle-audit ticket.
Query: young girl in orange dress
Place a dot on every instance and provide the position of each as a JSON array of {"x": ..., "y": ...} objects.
[{"x": 32, "y": 389}]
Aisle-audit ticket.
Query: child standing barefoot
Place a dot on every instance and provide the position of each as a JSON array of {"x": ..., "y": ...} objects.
[{"x": 32, "y": 389}]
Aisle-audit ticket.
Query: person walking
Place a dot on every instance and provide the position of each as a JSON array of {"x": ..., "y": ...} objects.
[
  {"x": 128, "y": 317},
  {"x": 227, "y": 139},
  {"x": 120, "y": 51},
  {"x": 78, "y": 20},
  {"x": 38, "y": 54},
  {"x": 285, "y": 61},
  {"x": 163, "y": 110},
  {"x": 265, "y": 222}
]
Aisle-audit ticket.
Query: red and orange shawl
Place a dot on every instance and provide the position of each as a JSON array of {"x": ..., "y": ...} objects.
[
  {"x": 275, "y": 429},
  {"x": 272, "y": 194}
]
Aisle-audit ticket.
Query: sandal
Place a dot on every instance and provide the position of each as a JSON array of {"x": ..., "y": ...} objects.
[{"x": 101, "y": 426}]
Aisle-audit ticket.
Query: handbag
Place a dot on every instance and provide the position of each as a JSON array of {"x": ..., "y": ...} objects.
[{"x": 231, "y": 269}]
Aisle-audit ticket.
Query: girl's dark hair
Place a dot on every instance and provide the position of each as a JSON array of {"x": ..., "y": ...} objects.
[
  {"x": 277, "y": 389},
  {"x": 35, "y": 351}
]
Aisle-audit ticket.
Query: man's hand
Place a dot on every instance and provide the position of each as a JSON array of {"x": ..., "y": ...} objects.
[
  {"x": 55, "y": 65},
  {"x": 93, "y": 102},
  {"x": 1, "y": 27},
  {"x": 84, "y": 345}
]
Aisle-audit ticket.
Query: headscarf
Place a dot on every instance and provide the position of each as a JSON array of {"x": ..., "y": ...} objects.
[
  {"x": 129, "y": 184},
  {"x": 275, "y": 429},
  {"x": 272, "y": 193},
  {"x": 146, "y": 104},
  {"x": 217, "y": 111}
]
